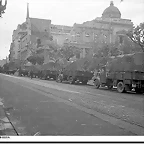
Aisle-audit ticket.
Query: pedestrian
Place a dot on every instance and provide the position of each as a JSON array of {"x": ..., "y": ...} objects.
[{"x": 31, "y": 74}]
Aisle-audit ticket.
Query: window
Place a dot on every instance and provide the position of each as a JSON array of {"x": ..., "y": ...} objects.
[
  {"x": 120, "y": 39},
  {"x": 87, "y": 35},
  {"x": 78, "y": 55},
  {"x": 78, "y": 34},
  {"x": 96, "y": 35},
  {"x": 104, "y": 36}
]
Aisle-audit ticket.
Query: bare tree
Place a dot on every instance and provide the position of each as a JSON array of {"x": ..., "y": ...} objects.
[
  {"x": 2, "y": 7},
  {"x": 137, "y": 35}
]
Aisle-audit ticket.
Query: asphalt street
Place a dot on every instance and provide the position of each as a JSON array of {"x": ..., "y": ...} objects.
[{"x": 44, "y": 106}]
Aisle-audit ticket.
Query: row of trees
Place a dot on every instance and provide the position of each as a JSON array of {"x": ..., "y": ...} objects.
[{"x": 133, "y": 42}]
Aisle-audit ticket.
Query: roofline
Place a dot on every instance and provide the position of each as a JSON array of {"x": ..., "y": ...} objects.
[
  {"x": 62, "y": 25},
  {"x": 41, "y": 19}
]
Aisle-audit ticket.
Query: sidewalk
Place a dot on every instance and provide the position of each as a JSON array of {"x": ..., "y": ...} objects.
[{"x": 5, "y": 125}]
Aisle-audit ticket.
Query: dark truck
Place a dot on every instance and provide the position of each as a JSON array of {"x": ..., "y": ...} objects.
[
  {"x": 49, "y": 71},
  {"x": 23, "y": 72},
  {"x": 125, "y": 72},
  {"x": 76, "y": 72}
]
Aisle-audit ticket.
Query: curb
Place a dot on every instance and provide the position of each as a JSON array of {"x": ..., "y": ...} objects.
[{"x": 5, "y": 125}]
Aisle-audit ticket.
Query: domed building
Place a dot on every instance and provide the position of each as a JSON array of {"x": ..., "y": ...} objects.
[
  {"x": 102, "y": 30},
  {"x": 86, "y": 38},
  {"x": 111, "y": 12}
]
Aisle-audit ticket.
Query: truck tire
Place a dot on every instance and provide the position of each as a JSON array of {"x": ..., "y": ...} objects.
[
  {"x": 71, "y": 80},
  {"x": 96, "y": 83},
  {"x": 58, "y": 79},
  {"x": 120, "y": 87}
]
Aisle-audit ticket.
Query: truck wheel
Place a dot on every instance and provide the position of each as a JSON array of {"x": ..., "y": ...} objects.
[
  {"x": 120, "y": 87},
  {"x": 71, "y": 80},
  {"x": 96, "y": 83},
  {"x": 59, "y": 79}
]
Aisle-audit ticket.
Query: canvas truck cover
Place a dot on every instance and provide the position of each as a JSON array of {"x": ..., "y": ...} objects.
[
  {"x": 48, "y": 66},
  {"x": 33, "y": 68},
  {"x": 96, "y": 63},
  {"x": 80, "y": 64},
  {"x": 129, "y": 62}
]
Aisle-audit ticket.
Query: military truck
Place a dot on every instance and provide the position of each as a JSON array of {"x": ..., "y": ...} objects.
[
  {"x": 126, "y": 72},
  {"x": 76, "y": 72},
  {"x": 23, "y": 72},
  {"x": 49, "y": 71}
]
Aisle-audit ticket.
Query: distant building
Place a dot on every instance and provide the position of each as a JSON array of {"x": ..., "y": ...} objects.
[
  {"x": 87, "y": 37},
  {"x": 3, "y": 61}
]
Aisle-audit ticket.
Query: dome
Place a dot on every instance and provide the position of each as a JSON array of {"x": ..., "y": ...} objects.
[{"x": 111, "y": 12}]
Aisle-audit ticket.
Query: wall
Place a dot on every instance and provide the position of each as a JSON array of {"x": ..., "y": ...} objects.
[
  {"x": 60, "y": 33},
  {"x": 60, "y": 38}
]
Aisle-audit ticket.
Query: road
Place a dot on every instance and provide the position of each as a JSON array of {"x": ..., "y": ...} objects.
[{"x": 61, "y": 109}]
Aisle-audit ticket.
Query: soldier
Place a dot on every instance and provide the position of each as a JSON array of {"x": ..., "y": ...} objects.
[{"x": 31, "y": 74}]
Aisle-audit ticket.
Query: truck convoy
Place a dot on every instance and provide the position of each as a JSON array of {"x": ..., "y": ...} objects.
[{"x": 126, "y": 72}]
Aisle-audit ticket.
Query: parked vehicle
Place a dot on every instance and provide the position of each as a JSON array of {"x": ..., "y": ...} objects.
[
  {"x": 76, "y": 72},
  {"x": 49, "y": 71},
  {"x": 125, "y": 72},
  {"x": 23, "y": 72}
]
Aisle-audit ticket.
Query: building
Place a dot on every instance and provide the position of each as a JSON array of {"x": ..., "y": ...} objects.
[
  {"x": 15, "y": 44},
  {"x": 2, "y": 62},
  {"x": 91, "y": 35},
  {"x": 25, "y": 37},
  {"x": 60, "y": 33},
  {"x": 86, "y": 37}
]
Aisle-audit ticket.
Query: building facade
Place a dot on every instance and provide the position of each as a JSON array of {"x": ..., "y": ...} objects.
[
  {"x": 60, "y": 33},
  {"x": 87, "y": 37},
  {"x": 25, "y": 37},
  {"x": 91, "y": 35}
]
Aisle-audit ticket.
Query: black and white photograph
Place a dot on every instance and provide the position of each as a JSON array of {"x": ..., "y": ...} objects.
[{"x": 72, "y": 70}]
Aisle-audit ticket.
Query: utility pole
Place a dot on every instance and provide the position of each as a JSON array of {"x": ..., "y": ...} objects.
[{"x": 2, "y": 7}]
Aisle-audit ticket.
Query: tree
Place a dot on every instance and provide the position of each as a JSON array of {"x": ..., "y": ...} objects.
[
  {"x": 67, "y": 52},
  {"x": 137, "y": 35},
  {"x": 102, "y": 51},
  {"x": 1, "y": 69},
  {"x": 115, "y": 51},
  {"x": 2, "y": 7},
  {"x": 36, "y": 59},
  {"x": 6, "y": 67}
]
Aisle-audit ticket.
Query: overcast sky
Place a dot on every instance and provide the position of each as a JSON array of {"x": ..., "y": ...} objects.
[{"x": 62, "y": 12}]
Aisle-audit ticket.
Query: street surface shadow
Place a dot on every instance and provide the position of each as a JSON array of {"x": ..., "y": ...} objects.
[{"x": 115, "y": 91}]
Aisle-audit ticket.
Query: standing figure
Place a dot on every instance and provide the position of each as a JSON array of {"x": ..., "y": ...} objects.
[{"x": 31, "y": 74}]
